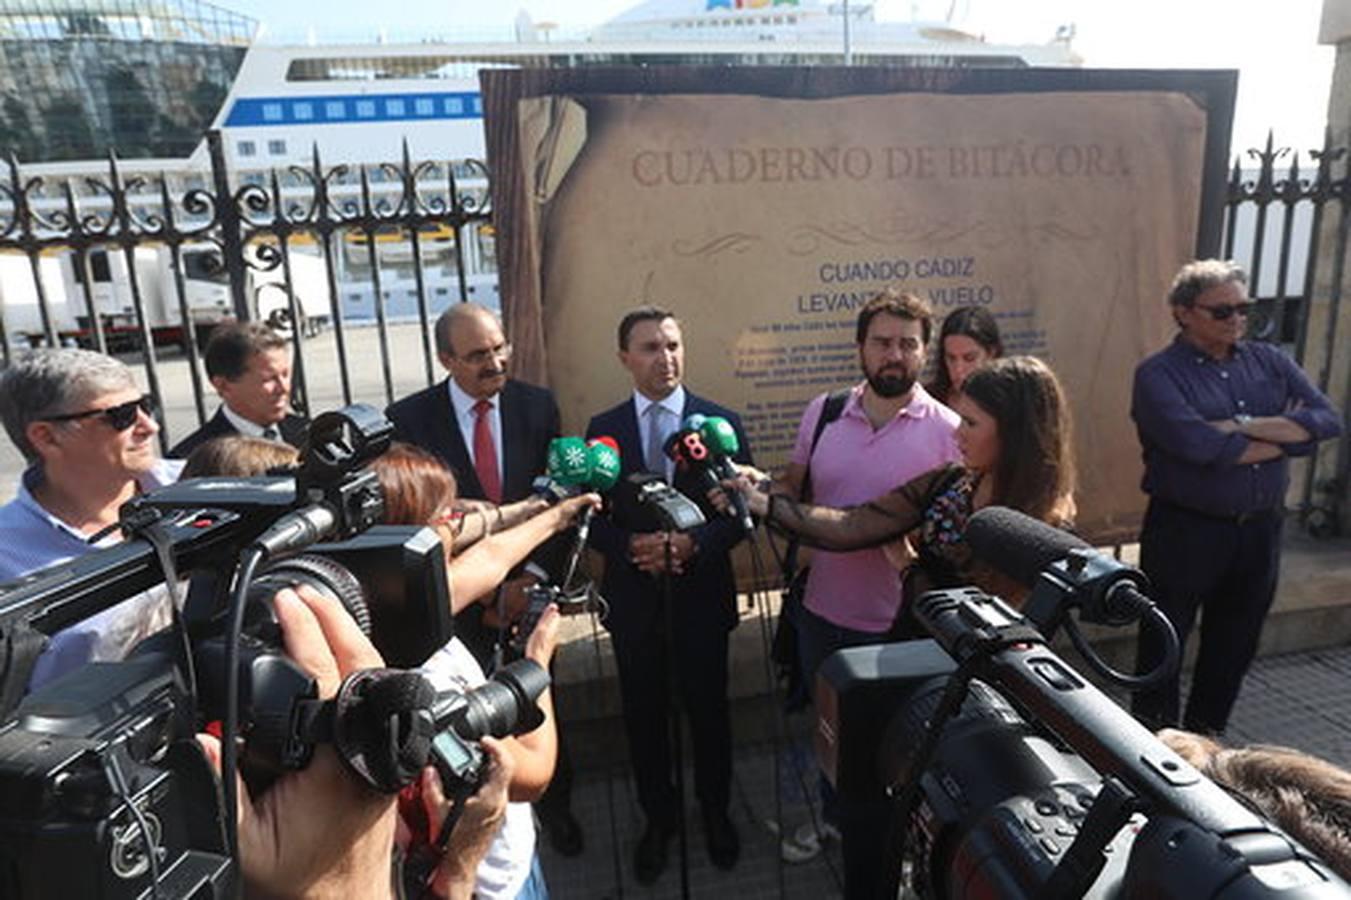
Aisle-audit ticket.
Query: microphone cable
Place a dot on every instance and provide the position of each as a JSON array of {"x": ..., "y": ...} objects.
[
  {"x": 616, "y": 858},
  {"x": 229, "y": 734},
  {"x": 780, "y": 736},
  {"x": 1149, "y": 614}
]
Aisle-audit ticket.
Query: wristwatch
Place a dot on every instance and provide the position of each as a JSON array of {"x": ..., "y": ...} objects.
[{"x": 1242, "y": 420}]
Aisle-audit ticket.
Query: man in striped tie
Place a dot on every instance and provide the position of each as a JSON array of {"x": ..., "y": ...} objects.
[{"x": 641, "y": 561}]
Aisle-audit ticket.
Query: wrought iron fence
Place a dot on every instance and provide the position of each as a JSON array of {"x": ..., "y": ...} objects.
[
  {"x": 255, "y": 232},
  {"x": 109, "y": 236},
  {"x": 1282, "y": 216}
]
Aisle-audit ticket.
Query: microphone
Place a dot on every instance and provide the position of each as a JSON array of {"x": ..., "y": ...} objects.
[
  {"x": 602, "y": 460},
  {"x": 720, "y": 438},
  {"x": 566, "y": 462},
  {"x": 1016, "y": 544},
  {"x": 297, "y": 529},
  {"x": 1059, "y": 567},
  {"x": 573, "y": 466}
]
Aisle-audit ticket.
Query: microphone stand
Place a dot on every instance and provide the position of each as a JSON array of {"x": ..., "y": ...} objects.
[{"x": 673, "y": 686}]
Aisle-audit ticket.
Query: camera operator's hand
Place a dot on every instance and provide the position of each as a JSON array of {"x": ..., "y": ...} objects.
[
  {"x": 316, "y": 832},
  {"x": 484, "y": 813}
]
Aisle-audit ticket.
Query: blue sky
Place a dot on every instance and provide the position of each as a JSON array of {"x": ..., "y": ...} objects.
[{"x": 1284, "y": 72}]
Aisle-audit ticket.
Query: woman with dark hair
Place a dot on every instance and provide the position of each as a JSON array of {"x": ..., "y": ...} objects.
[
  {"x": 968, "y": 339},
  {"x": 1015, "y": 440}
]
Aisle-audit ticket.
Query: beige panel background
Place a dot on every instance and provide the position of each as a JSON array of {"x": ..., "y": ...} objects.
[{"x": 764, "y": 223}]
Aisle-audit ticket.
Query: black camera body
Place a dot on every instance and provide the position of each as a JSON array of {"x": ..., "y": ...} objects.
[
  {"x": 980, "y": 764},
  {"x": 502, "y": 706},
  {"x": 65, "y": 831},
  {"x": 104, "y": 790}
]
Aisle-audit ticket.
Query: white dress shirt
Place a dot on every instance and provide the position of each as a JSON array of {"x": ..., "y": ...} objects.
[
  {"x": 462, "y": 408},
  {"x": 674, "y": 404}
]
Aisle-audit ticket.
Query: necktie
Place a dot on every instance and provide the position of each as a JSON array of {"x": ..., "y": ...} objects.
[
  {"x": 656, "y": 435},
  {"x": 485, "y": 455},
  {"x": 271, "y": 433}
]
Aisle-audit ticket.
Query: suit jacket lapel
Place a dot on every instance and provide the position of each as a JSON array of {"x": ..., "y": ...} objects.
[
  {"x": 630, "y": 439},
  {"x": 514, "y": 433}
]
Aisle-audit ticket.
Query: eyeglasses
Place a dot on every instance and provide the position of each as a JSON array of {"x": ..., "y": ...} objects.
[
  {"x": 120, "y": 417},
  {"x": 1221, "y": 311},
  {"x": 479, "y": 357}
]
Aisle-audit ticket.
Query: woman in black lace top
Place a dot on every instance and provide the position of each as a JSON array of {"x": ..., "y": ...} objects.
[{"x": 1015, "y": 438}]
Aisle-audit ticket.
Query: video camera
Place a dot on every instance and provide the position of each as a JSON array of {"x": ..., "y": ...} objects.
[
  {"x": 978, "y": 763},
  {"x": 104, "y": 791}
]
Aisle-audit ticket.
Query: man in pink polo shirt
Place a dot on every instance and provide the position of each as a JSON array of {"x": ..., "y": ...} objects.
[{"x": 889, "y": 431}]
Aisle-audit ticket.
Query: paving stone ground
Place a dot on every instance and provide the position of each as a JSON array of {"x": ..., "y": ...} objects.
[{"x": 1301, "y": 700}]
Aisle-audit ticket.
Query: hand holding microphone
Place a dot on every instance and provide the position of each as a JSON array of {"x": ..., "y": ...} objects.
[
  {"x": 576, "y": 465},
  {"x": 702, "y": 449}
]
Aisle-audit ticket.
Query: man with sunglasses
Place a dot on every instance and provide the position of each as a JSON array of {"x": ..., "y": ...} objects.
[
  {"x": 90, "y": 439},
  {"x": 1219, "y": 418},
  {"x": 249, "y": 366}
]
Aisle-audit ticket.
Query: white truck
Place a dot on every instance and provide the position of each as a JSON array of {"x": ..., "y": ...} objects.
[{"x": 206, "y": 289}]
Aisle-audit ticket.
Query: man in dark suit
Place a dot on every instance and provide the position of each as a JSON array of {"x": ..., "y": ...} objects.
[
  {"x": 494, "y": 433},
  {"x": 249, "y": 366},
  {"x": 703, "y": 602}
]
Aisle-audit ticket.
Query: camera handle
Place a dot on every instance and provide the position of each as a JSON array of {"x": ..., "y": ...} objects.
[
  {"x": 380, "y": 723},
  {"x": 975, "y": 648}
]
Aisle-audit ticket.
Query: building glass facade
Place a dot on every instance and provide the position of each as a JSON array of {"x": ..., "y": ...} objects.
[{"x": 81, "y": 77}]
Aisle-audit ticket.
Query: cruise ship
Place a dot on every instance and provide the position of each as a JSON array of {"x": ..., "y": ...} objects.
[{"x": 360, "y": 103}]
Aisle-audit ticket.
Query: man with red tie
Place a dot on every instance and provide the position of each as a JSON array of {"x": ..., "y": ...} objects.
[{"x": 494, "y": 433}]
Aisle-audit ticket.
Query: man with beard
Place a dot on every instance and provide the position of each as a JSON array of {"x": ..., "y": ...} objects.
[{"x": 851, "y": 447}]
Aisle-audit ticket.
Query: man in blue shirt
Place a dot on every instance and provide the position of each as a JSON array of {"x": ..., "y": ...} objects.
[
  {"x": 89, "y": 437},
  {"x": 1219, "y": 418}
]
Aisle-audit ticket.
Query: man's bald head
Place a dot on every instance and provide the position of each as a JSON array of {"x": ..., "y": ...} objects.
[{"x": 471, "y": 345}]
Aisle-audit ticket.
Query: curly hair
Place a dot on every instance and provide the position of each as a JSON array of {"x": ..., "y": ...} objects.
[{"x": 1306, "y": 796}]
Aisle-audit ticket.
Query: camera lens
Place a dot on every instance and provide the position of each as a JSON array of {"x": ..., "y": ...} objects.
[
  {"x": 505, "y": 705},
  {"x": 318, "y": 572}
]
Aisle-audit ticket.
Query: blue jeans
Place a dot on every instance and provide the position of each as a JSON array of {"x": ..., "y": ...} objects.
[
  {"x": 817, "y": 638},
  {"x": 534, "y": 887}
]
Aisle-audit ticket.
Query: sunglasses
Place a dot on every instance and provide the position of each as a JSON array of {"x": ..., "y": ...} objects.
[
  {"x": 121, "y": 417},
  {"x": 1221, "y": 311}
]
